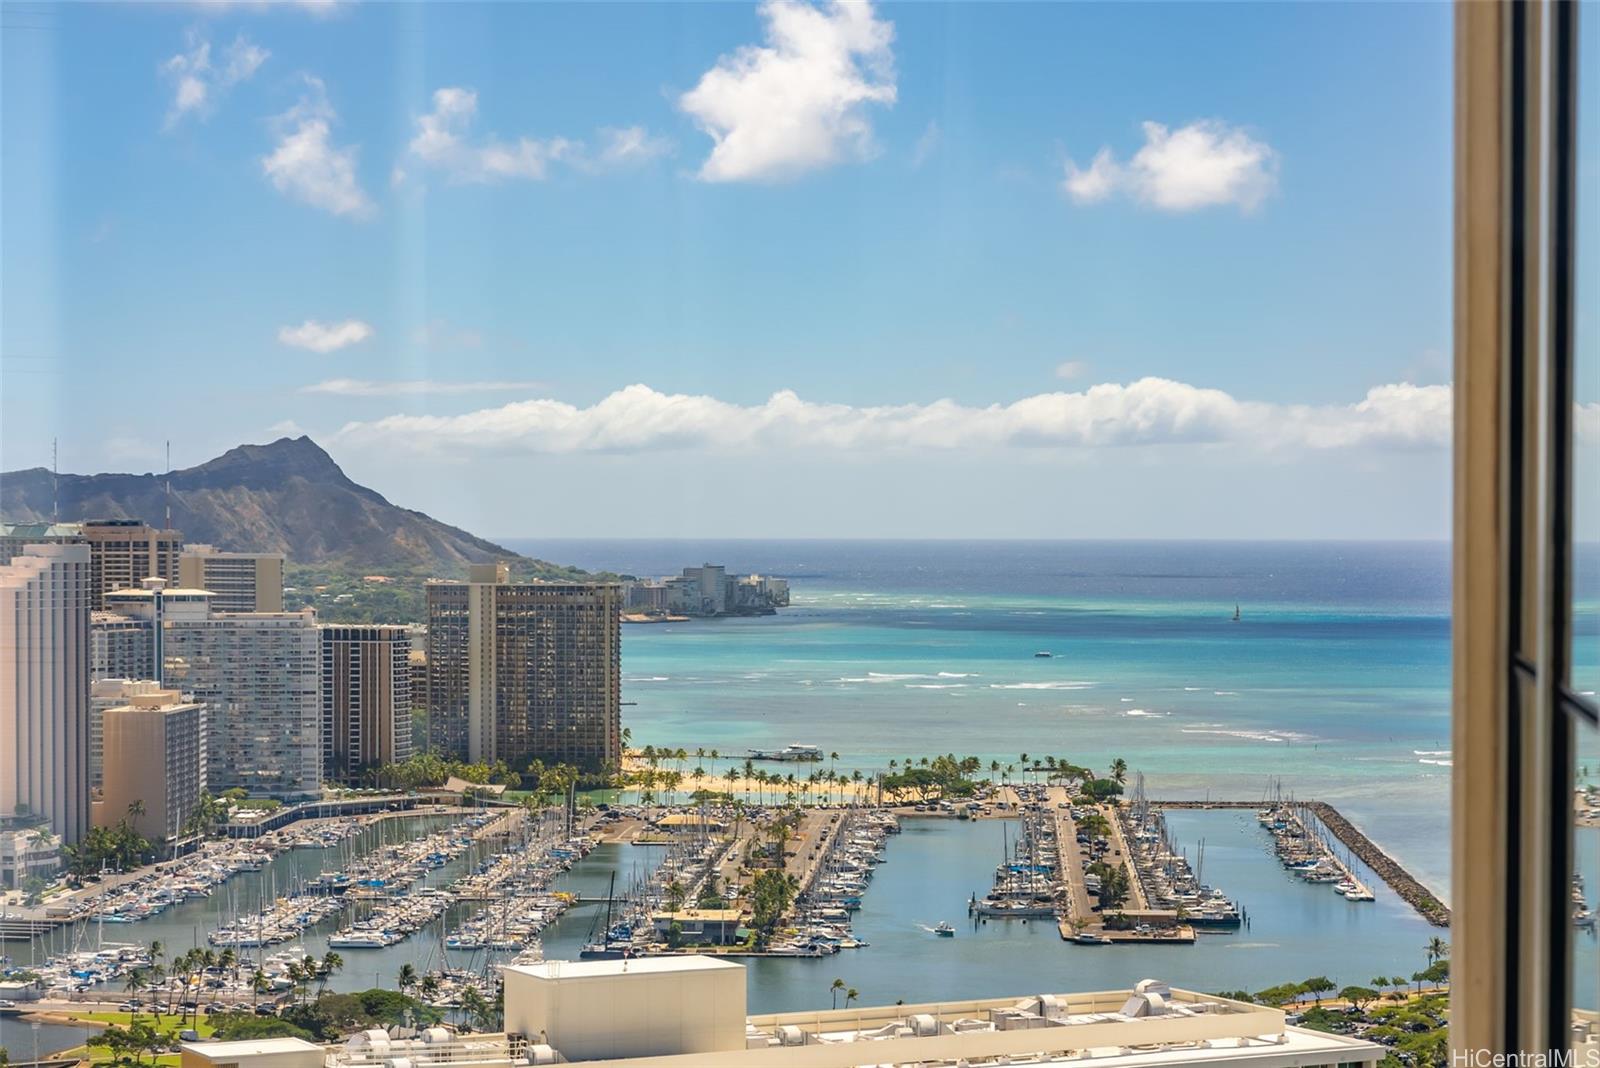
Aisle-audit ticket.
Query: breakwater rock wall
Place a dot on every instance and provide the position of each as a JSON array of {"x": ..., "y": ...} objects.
[{"x": 1389, "y": 870}]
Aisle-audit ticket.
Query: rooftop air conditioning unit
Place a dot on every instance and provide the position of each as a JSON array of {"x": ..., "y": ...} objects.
[{"x": 923, "y": 1024}]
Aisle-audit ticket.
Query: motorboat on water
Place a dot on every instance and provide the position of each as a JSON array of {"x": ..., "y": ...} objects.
[
  {"x": 1089, "y": 939},
  {"x": 944, "y": 929},
  {"x": 793, "y": 751}
]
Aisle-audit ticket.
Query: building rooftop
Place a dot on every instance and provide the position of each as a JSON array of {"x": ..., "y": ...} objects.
[
  {"x": 600, "y": 969},
  {"x": 1151, "y": 1024},
  {"x": 252, "y": 1047},
  {"x": 40, "y": 530},
  {"x": 131, "y": 593},
  {"x": 701, "y": 916}
]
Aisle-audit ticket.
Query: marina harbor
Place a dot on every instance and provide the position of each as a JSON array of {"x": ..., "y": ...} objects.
[{"x": 476, "y": 889}]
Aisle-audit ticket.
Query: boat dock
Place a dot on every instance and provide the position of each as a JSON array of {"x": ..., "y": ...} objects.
[
  {"x": 1063, "y": 858},
  {"x": 1419, "y": 897}
]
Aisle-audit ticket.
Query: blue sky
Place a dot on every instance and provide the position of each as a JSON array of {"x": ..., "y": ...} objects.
[{"x": 445, "y": 240}]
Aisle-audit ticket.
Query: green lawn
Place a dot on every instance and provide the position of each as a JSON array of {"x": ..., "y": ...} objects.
[{"x": 169, "y": 1023}]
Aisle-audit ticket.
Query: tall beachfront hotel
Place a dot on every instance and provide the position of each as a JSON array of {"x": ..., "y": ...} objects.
[{"x": 524, "y": 671}]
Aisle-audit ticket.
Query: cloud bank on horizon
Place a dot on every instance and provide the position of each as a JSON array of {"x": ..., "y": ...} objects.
[{"x": 1146, "y": 412}]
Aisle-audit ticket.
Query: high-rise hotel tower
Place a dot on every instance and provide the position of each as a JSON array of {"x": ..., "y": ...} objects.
[
  {"x": 527, "y": 670},
  {"x": 45, "y": 593}
]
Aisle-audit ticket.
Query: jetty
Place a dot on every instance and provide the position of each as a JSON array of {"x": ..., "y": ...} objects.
[{"x": 1402, "y": 882}]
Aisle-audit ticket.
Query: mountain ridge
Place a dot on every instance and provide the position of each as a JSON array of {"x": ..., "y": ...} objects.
[{"x": 286, "y": 496}]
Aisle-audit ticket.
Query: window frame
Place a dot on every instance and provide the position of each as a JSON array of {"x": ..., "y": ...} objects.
[{"x": 1514, "y": 711}]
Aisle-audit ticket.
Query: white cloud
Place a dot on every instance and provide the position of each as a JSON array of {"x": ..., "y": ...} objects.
[
  {"x": 441, "y": 141},
  {"x": 324, "y": 337},
  {"x": 357, "y": 387},
  {"x": 198, "y": 81},
  {"x": 1071, "y": 369},
  {"x": 1148, "y": 412},
  {"x": 1095, "y": 184},
  {"x": 305, "y": 163},
  {"x": 444, "y": 141},
  {"x": 288, "y": 428},
  {"x": 799, "y": 101},
  {"x": 629, "y": 145},
  {"x": 1201, "y": 165}
]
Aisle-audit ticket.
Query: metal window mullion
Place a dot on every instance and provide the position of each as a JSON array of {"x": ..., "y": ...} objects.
[
  {"x": 1557, "y": 700},
  {"x": 1519, "y": 444}
]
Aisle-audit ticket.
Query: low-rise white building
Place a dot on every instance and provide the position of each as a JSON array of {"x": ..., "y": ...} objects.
[
  {"x": 254, "y": 1053},
  {"x": 28, "y": 852},
  {"x": 688, "y": 1012}
]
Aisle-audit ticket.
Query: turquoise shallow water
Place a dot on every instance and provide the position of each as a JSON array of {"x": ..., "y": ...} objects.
[{"x": 1336, "y": 679}]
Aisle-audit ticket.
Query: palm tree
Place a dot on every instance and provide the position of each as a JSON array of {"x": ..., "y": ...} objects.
[
  {"x": 137, "y": 980},
  {"x": 675, "y": 894},
  {"x": 331, "y": 962},
  {"x": 1119, "y": 771},
  {"x": 408, "y": 977},
  {"x": 259, "y": 984},
  {"x": 180, "y": 966},
  {"x": 850, "y": 995},
  {"x": 834, "y": 988},
  {"x": 429, "y": 987},
  {"x": 472, "y": 1003},
  {"x": 1437, "y": 949}
]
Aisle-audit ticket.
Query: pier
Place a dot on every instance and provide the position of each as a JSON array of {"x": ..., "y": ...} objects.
[{"x": 1402, "y": 882}]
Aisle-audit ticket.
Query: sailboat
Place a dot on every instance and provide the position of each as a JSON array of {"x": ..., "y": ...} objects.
[
  {"x": 1236, "y": 612},
  {"x": 613, "y": 944}
]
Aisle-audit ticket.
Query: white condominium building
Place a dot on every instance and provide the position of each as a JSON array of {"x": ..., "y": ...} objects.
[
  {"x": 45, "y": 594},
  {"x": 259, "y": 675},
  {"x": 120, "y": 647}
]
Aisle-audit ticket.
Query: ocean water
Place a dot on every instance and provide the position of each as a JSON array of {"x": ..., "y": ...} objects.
[{"x": 1334, "y": 683}]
